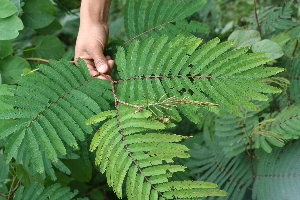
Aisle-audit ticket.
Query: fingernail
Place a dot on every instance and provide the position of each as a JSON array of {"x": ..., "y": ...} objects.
[{"x": 102, "y": 68}]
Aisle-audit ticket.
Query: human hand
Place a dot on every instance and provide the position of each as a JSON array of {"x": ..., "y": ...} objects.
[{"x": 90, "y": 44}]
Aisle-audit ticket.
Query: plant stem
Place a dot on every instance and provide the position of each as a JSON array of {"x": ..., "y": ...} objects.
[
  {"x": 42, "y": 60},
  {"x": 250, "y": 151},
  {"x": 256, "y": 18},
  {"x": 296, "y": 46}
]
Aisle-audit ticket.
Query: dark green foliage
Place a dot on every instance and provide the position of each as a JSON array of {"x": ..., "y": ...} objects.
[
  {"x": 55, "y": 109},
  {"x": 68, "y": 5},
  {"x": 39, "y": 101},
  {"x": 294, "y": 69},
  {"x": 286, "y": 123},
  {"x": 280, "y": 175},
  {"x": 122, "y": 151},
  {"x": 209, "y": 162},
  {"x": 38, "y": 192},
  {"x": 274, "y": 18},
  {"x": 200, "y": 72},
  {"x": 55, "y": 120},
  {"x": 147, "y": 18},
  {"x": 253, "y": 127}
]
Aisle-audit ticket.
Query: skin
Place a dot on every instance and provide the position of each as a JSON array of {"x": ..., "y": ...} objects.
[{"x": 92, "y": 37}]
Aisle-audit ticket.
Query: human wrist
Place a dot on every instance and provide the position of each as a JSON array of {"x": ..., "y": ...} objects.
[{"x": 94, "y": 11}]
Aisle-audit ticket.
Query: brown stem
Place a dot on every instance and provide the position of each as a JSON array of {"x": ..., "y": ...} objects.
[
  {"x": 168, "y": 76},
  {"x": 256, "y": 18},
  {"x": 296, "y": 46},
  {"x": 37, "y": 59},
  {"x": 43, "y": 60},
  {"x": 250, "y": 151},
  {"x": 146, "y": 32},
  {"x": 117, "y": 102}
]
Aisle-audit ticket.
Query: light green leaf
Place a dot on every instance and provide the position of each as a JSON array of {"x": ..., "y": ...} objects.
[
  {"x": 244, "y": 38},
  {"x": 295, "y": 32},
  {"x": 3, "y": 174},
  {"x": 38, "y": 13},
  {"x": 5, "y": 48},
  {"x": 47, "y": 47},
  {"x": 4, "y": 169},
  {"x": 19, "y": 4},
  {"x": 101, "y": 117},
  {"x": 272, "y": 49},
  {"x": 51, "y": 28},
  {"x": 7, "y": 8},
  {"x": 37, "y": 20},
  {"x": 12, "y": 68},
  {"x": 9, "y": 27},
  {"x": 3, "y": 91}
]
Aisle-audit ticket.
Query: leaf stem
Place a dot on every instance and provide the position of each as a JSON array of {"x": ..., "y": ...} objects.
[
  {"x": 250, "y": 150},
  {"x": 296, "y": 46},
  {"x": 156, "y": 27},
  {"x": 117, "y": 102},
  {"x": 168, "y": 76},
  {"x": 43, "y": 60},
  {"x": 256, "y": 18}
]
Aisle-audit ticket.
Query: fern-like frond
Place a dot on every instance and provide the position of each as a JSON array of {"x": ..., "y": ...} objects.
[
  {"x": 208, "y": 162},
  {"x": 277, "y": 174},
  {"x": 38, "y": 192},
  {"x": 182, "y": 68},
  {"x": 129, "y": 146},
  {"x": 262, "y": 136},
  {"x": 144, "y": 18},
  {"x": 253, "y": 130},
  {"x": 3, "y": 173},
  {"x": 234, "y": 133},
  {"x": 293, "y": 73},
  {"x": 49, "y": 166},
  {"x": 287, "y": 122},
  {"x": 273, "y": 18},
  {"x": 50, "y": 110}
]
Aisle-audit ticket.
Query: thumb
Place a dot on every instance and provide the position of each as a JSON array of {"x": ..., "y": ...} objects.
[{"x": 101, "y": 64}]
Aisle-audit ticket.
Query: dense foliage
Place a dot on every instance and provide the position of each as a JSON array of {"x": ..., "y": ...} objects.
[{"x": 191, "y": 110}]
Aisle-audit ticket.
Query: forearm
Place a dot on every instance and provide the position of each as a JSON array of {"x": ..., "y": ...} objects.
[
  {"x": 94, "y": 11},
  {"x": 92, "y": 37}
]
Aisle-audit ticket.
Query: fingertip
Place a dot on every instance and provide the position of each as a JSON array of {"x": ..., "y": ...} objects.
[
  {"x": 102, "y": 68},
  {"x": 94, "y": 73},
  {"x": 111, "y": 63}
]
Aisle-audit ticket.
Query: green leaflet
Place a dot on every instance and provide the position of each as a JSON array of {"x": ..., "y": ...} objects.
[
  {"x": 277, "y": 174},
  {"x": 295, "y": 80},
  {"x": 212, "y": 165},
  {"x": 253, "y": 128},
  {"x": 287, "y": 122},
  {"x": 101, "y": 117},
  {"x": 178, "y": 185},
  {"x": 145, "y": 18},
  {"x": 39, "y": 192},
  {"x": 50, "y": 110},
  {"x": 130, "y": 146},
  {"x": 13, "y": 143},
  {"x": 277, "y": 18},
  {"x": 164, "y": 74},
  {"x": 212, "y": 68},
  {"x": 4, "y": 171}
]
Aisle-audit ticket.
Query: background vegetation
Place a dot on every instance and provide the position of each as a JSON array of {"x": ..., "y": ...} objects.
[{"x": 251, "y": 154}]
